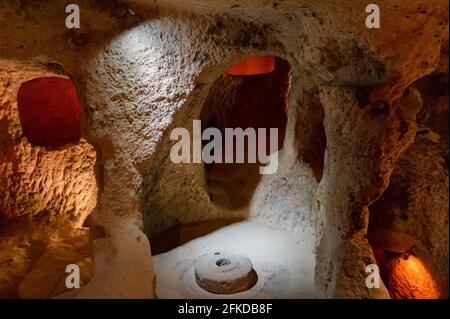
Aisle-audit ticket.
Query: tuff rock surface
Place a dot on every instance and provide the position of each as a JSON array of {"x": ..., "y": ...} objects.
[{"x": 142, "y": 68}]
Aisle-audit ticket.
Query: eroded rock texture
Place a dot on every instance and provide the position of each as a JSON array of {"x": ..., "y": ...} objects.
[
  {"x": 143, "y": 68},
  {"x": 411, "y": 217},
  {"x": 249, "y": 101},
  {"x": 46, "y": 194}
]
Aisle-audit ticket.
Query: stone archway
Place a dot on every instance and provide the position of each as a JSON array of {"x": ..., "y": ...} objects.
[{"x": 244, "y": 101}]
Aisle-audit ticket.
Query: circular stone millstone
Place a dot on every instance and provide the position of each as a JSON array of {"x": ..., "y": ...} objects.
[{"x": 225, "y": 273}]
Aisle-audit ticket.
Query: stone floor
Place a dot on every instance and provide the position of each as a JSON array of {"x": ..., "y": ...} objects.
[{"x": 285, "y": 268}]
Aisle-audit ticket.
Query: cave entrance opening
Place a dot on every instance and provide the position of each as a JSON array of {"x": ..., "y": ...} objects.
[
  {"x": 49, "y": 111},
  {"x": 240, "y": 100},
  {"x": 237, "y": 100},
  {"x": 252, "y": 94}
]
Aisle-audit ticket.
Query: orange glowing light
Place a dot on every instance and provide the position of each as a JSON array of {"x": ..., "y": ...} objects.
[
  {"x": 253, "y": 66},
  {"x": 410, "y": 279}
]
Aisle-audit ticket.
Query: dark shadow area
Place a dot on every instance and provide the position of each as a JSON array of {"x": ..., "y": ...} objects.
[
  {"x": 49, "y": 111},
  {"x": 408, "y": 225},
  {"x": 182, "y": 234},
  {"x": 244, "y": 101}
]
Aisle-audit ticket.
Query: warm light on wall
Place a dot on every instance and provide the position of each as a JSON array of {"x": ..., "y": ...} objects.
[
  {"x": 49, "y": 111},
  {"x": 409, "y": 278},
  {"x": 253, "y": 66}
]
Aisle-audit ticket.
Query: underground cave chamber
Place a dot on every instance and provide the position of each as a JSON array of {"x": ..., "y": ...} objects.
[
  {"x": 86, "y": 175},
  {"x": 228, "y": 238},
  {"x": 51, "y": 190}
]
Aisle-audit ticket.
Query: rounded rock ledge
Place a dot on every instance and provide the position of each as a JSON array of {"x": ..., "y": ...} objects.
[{"x": 225, "y": 273}]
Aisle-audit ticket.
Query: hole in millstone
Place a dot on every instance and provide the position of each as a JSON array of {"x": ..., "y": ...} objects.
[{"x": 223, "y": 262}]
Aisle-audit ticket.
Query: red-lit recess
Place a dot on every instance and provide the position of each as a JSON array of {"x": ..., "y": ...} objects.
[
  {"x": 49, "y": 111},
  {"x": 253, "y": 66}
]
